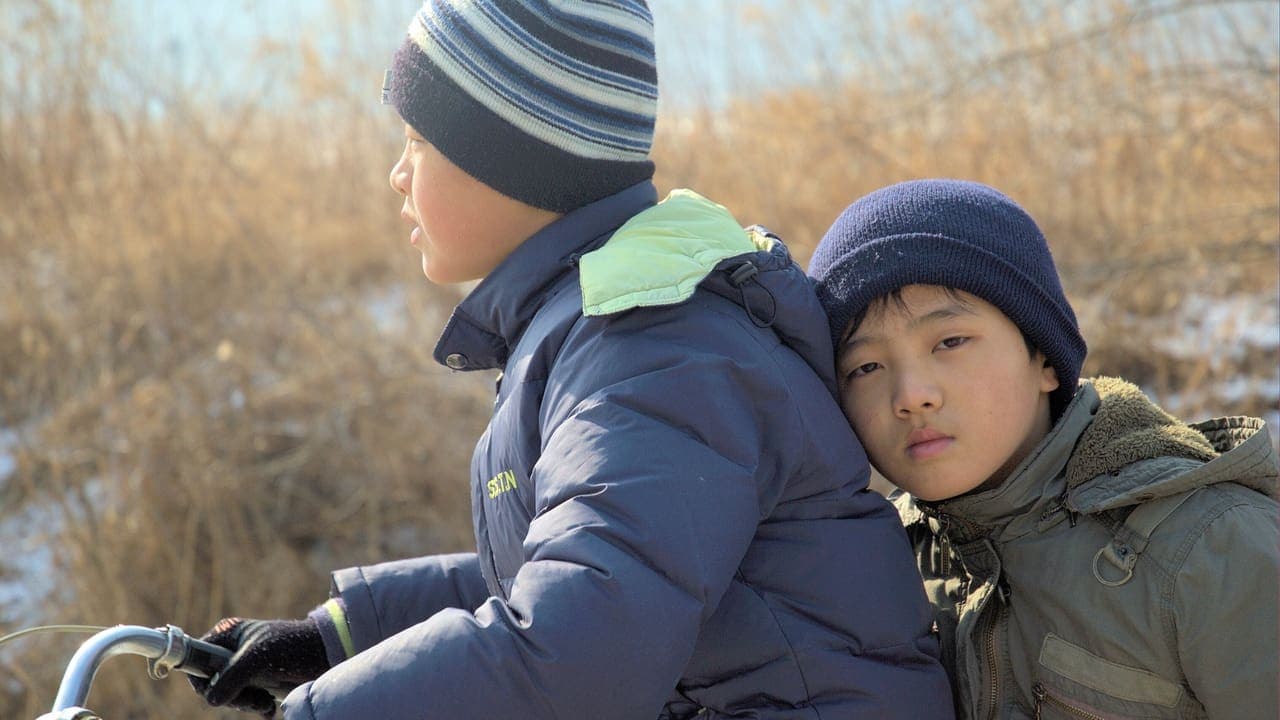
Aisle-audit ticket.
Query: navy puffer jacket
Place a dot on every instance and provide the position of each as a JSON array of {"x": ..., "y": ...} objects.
[{"x": 671, "y": 513}]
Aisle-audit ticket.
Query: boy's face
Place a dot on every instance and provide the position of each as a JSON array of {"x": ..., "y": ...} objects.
[
  {"x": 462, "y": 227},
  {"x": 943, "y": 393}
]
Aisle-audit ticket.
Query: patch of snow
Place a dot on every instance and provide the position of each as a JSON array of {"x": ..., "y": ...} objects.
[
  {"x": 28, "y": 564},
  {"x": 1214, "y": 327},
  {"x": 8, "y": 464},
  {"x": 1239, "y": 389}
]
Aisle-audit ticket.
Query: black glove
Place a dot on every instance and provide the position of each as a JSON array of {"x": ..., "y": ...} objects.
[{"x": 274, "y": 654}]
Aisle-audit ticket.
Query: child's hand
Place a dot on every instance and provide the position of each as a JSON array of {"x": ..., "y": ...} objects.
[{"x": 266, "y": 654}]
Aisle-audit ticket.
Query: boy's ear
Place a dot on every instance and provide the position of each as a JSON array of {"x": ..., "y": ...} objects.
[{"x": 1048, "y": 375}]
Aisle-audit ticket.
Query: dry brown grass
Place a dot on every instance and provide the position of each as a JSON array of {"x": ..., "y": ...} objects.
[
  {"x": 1143, "y": 138},
  {"x": 210, "y": 418}
]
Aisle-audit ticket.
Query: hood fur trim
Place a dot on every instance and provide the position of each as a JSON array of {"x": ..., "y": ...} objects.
[{"x": 1127, "y": 428}]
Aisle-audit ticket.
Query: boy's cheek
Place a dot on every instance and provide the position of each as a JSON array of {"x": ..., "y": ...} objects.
[
  {"x": 847, "y": 407},
  {"x": 863, "y": 426},
  {"x": 860, "y": 427},
  {"x": 854, "y": 405}
]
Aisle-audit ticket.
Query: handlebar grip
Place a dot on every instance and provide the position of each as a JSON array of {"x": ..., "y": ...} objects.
[{"x": 204, "y": 659}]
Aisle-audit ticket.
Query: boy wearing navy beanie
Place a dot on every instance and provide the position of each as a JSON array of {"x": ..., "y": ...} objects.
[
  {"x": 666, "y": 496},
  {"x": 1086, "y": 553}
]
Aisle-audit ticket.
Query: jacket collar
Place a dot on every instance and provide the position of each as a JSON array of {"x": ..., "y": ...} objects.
[{"x": 487, "y": 323}]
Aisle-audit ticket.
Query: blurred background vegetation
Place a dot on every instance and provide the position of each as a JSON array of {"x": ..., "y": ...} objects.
[{"x": 215, "y": 373}]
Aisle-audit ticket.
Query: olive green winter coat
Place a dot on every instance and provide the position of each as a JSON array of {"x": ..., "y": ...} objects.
[{"x": 1126, "y": 569}]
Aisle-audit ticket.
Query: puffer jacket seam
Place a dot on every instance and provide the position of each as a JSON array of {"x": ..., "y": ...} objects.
[
  {"x": 1180, "y": 556},
  {"x": 791, "y": 650},
  {"x": 644, "y": 560},
  {"x": 910, "y": 645},
  {"x": 801, "y": 469},
  {"x": 560, "y": 287},
  {"x": 373, "y": 606},
  {"x": 768, "y": 351},
  {"x": 512, "y": 638},
  {"x": 308, "y": 708},
  {"x": 593, "y": 400}
]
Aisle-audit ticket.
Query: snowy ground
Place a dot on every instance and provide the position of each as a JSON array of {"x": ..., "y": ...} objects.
[
  {"x": 8, "y": 440},
  {"x": 24, "y": 551},
  {"x": 1228, "y": 333},
  {"x": 1227, "y": 328}
]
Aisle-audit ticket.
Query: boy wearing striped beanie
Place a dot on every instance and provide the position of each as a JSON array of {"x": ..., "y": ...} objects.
[
  {"x": 1073, "y": 537},
  {"x": 671, "y": 518}
]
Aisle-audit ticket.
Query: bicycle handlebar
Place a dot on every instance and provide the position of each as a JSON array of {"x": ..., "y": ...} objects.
[{"x": 167, "y": 648}]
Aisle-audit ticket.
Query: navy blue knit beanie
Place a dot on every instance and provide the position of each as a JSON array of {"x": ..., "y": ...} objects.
[
  {"x": 548, "y": 102},
  {"x": 956, "y": 234}
]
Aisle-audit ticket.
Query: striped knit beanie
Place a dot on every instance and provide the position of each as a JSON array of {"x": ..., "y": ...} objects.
[
  {"x": 550, "y": 102},
  {"x": 955, "y": 234}
]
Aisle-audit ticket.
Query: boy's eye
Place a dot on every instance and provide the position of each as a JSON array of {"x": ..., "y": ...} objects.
[
  {"x": 953, "y": 342},
  {"x": 863, "y": 370}
]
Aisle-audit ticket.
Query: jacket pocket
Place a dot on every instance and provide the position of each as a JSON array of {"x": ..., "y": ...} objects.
[
  {"x": 1120, "y": 681},
  {"x": 1074, "y": 683},
  {"x": 1052, "y": 704}
]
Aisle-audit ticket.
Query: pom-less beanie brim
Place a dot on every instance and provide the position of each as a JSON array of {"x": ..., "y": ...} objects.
[{"x": 956, "y": 234}]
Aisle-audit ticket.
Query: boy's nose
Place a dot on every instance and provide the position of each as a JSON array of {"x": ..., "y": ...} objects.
[
  {"x": 399, "y": 177},
  {"x": 915, "y": 394}
]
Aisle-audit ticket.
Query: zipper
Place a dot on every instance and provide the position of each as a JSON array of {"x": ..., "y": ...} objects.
[
  {"x": 1059, "y": 506},
  {"x": 989, "y": 650},
  {"x": 487, "y": 556},
  {"x": 944, "y": 544},
  {"x": 1043, "y": 696}
]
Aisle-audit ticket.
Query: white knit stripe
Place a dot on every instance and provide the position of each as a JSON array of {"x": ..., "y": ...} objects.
[
  {"x": 548, "y": 64},
  {"x": 530, "y": 117},
  {"x": 589, "y": 127},
  {"x": 571, "y": 63},
  {"x": 636, "y": 8},
  {"x": 644, "y": 55},
  {"x": 504, "y": 24},
  {"x": 618, "y": 17}
]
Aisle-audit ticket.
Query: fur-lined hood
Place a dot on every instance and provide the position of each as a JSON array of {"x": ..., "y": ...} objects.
[{"x": 1134, "y": 451}]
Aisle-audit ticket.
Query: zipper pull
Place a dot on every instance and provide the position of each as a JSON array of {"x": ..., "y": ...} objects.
[
  {"x": 1049, "y": 517},
  {"x": 944, "y": 529},
  {"x": 1072, "y": 517},
  {"x": 944, "y": 542}
]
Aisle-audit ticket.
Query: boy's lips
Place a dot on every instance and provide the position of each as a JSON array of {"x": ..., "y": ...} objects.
[
  {"x": 416, "y": 233},
  {"x": 925, "y": 443}
]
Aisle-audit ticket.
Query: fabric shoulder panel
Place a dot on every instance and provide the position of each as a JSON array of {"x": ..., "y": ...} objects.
[{"x": 659, "y": 256}]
